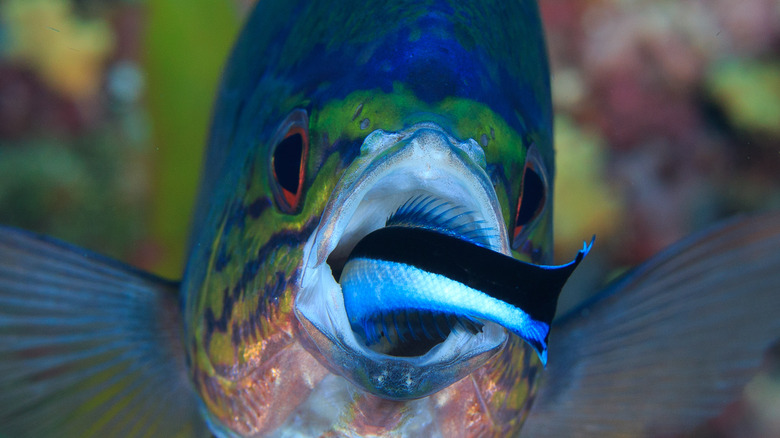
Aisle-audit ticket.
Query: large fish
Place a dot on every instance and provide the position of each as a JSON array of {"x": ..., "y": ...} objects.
[{"x": 335, "y": 124}]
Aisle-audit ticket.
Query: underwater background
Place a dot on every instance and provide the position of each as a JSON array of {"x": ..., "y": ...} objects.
[{"x": 667, "y": 120}]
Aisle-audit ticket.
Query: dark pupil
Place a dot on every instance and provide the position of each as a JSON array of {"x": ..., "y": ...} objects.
[
  {"x": 287, "y": 162},
  {"x": 532, "y": 198}
]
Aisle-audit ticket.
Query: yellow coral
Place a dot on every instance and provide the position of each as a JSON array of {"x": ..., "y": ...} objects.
[{"x": 66, "y": 51}]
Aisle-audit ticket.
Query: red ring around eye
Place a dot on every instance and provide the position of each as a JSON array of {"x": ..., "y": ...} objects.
[{"x": 288, "y": 163}]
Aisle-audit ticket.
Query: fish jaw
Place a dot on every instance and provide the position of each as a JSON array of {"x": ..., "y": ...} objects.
[{"x": 392, "y": 168}]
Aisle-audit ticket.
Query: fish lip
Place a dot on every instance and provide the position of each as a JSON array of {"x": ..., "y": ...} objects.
[{"x": 392, "y": 168}]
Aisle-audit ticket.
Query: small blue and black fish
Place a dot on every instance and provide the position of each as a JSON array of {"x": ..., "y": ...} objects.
[
  {"x": 424, "y": 274},
  {"x": 370, "y": 257}
]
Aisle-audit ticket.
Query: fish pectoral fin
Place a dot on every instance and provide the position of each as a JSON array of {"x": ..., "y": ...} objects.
[
  {"x": 671, "y": 343},
  {"x": 88, "y": 346}
]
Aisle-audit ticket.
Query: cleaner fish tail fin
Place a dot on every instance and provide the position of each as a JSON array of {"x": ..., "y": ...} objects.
[
  {"x": 670, "y": 344},
  {"x": 88, "y": 347}
]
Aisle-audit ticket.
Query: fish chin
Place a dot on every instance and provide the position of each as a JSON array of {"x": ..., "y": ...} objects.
[{"x": 392, "y": 168}]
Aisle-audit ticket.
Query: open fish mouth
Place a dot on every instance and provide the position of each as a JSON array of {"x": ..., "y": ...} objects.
[
  {"x": 422, "y": 162},
  {"x": 397, "y": 306}
]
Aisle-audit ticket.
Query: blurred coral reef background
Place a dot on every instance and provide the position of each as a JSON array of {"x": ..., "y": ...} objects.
[
  {"x": 104, "y": 107},
  {"x": 668, "y": 120}
]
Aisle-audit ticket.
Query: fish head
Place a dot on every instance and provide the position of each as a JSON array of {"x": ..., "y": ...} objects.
[
  {"x": 320, "y": 132},
  {"x": 423, "y": 161}
]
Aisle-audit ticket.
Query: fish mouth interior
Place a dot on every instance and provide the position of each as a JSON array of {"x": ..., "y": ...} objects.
[
  {"x": 372, "y": 189},
  {"x": 376, "y": 206},
  {"x": 372, "y": 214}
]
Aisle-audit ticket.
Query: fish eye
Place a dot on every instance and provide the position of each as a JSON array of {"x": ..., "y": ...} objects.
[
  {"x": 288, "y": 161},
  {"x": 533, "y": 197}
]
